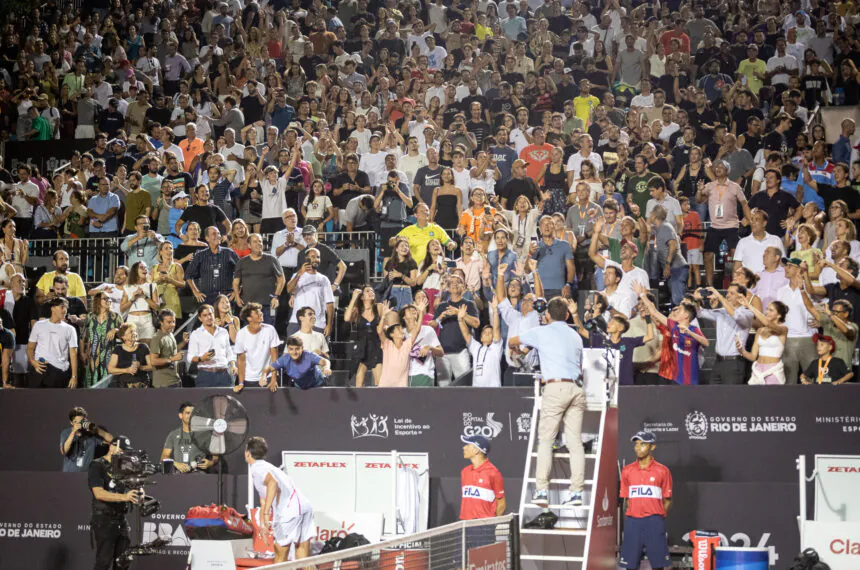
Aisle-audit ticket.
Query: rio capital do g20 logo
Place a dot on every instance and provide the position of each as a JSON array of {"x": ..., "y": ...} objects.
[{"x": 488, "y": 426}]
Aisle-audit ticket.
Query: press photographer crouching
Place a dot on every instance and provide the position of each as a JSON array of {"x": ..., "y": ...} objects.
[
  {"x": 79, "y": 443},
  {"x": 111, "y": 502}
]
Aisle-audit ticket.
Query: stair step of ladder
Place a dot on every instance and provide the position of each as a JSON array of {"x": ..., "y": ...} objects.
[
  {"x": 567, "y": 507},
  {"x": 567, "y": 455},
  {"x": 559, "y": 481},
  {"x": 555, "y": 531},
  {"x": 552, "y": 558}
]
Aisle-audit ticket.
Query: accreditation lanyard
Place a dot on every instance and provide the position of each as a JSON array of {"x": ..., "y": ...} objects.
[
  {"x": 823, "y": 369},
  {"x": 479, "y": 362}
]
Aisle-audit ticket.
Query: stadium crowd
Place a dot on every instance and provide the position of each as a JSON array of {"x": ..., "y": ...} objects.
[{"x": 499, "y": 154}]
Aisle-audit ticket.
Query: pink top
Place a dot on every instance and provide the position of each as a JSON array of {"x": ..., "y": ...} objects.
[
  {"x": 728, "y": 195},
  {"x": 395, "y": 365}
]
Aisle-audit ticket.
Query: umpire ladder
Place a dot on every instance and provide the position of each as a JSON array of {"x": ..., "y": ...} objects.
[{"x": 585, "y": 537}]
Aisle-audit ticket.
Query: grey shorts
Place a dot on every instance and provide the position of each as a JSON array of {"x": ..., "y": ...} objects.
[{"x": 694, "y": 257}]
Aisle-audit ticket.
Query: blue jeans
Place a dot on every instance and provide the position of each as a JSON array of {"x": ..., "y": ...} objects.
[
  {"x": 678, "y": 283},
  {"x": 206, "y": 379},
  {"x": 306, "y": 383},
  {"x": 399, "y": 297},
  {"x": 701, "y": 209},
  {"x": 598, "y": 279}
]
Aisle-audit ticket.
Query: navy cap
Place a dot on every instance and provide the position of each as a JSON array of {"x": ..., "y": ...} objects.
[
  {"x": 479, "y": 441},
  {"x": 123, "y": 441},
  {"x": 644, "y": 437}
]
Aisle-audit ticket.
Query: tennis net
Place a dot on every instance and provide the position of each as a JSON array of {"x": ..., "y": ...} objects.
[{"x": 484, "y": 544}]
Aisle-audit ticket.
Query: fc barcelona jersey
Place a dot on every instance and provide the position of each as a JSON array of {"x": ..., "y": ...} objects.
[{"x": 686, "y": 349}]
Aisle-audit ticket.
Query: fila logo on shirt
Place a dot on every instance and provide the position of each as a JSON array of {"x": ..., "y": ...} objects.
[
  {"x": 646, "y": 492},
  {"x": 480, "y": 493}
]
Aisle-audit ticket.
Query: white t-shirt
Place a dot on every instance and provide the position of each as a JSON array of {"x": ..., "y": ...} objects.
[
  {"x": 318, "y": 208},
  {"x": 374, "y": 166},
  {"x": 314, "y": 342},
  {"x": 238, "y": 150},
  {"x": 426, "y": 337},
  {"x": 411, "y": 164},
  {"x": 289, "y": 503},
  {"x": 53, "y": 341},
  {"x": 256, "y": 348},
  {"x": 634, "y": 275},
  {"x": 486, "y": 364},
  {"x": 750, "y": 251},
  {"x": 574, "y": 163},
  {"x": 25, "y": 210},
  {"x": 274, "y": 197},
  {"x": 312, "y": 290},
  {"x": 463, "y": 181}
]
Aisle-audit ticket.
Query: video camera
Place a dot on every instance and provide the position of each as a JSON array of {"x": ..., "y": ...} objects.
[
  {"x": 125, "y": 559},
  {"x": 131, "y": 469}
]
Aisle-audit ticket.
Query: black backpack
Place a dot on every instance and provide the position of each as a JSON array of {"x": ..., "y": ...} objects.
[{"x": 338, "y": 543}]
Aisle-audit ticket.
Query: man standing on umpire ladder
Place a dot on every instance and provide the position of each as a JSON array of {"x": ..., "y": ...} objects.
[
  {"x": 108, "y": 525},
  {"x": 647, "y": 487},
  {"x": 560, "y": 352}
]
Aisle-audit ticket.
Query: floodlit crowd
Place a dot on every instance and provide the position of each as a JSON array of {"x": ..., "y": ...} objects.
[{"x": 659, "y": 165}]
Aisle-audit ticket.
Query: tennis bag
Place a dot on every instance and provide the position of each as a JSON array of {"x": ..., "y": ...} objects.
[{"x": 216, "y": 522}]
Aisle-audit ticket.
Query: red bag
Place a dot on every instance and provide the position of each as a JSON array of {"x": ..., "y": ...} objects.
[
  {"x": 216, "y": 522},
  {"x": 704, "y": 543}
]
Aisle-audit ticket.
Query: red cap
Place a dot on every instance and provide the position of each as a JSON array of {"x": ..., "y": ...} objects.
[{"x": 816, "y": 338}]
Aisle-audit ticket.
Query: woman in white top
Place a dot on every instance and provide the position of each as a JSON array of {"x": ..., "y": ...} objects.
[
  {"x": 769, "y": 344},
  {"x": 522, "y": 222},
  {"x": 317, "y": 208},
  {"x": 139, "y": 299}
]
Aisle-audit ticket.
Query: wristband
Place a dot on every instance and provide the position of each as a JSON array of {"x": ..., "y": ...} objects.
[{"x": 647, "y": 319}]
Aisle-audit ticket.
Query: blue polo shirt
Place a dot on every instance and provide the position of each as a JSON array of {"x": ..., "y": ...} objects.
[
  {"x": 552, "y": 263},
  {"x": 559, "y": 349},
  {"x": 100, "y": 205},
  {"x": 302, "y": 371}
]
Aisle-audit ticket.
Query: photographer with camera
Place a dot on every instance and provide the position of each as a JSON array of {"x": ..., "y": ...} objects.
[
  {"x": 143, "y": 244},
  {"x": 180, "y": 448},
  {"x": 79, "y": 442},
  {"x": 393, "y": 199},
  {"x": 110, "y": 505}
]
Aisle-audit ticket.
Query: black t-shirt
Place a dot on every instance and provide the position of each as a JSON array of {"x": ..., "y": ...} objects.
[
  {"x": 450, "y": 337},
  {"x": 24, "y": 312},
  {"x": 813, "y": 87},
  {"x": 480, "y": 129},
  {"x": 776, "y": 141},
  {"x": 835, "y": 370},
  {"x": 7, "y": 339},
  {"x": 205, "y": 216},
  {"x": 361, "y": 179},
  {"x": 329, "y": 260},
  {"x": 777, "y": 208},
  {"x": 846, "y": 193},
  {"x": 159, "y": 115},
  {"x": 252, "y": 109},
  {"x": 124, "y": 359},
  {"x": 517, "y": 187},
  {"x": 402, "y": 267},
  {"x": 77, "y": 308},
  {"x": 182, "y": 182},
  {"x": 98, "y": 476}
]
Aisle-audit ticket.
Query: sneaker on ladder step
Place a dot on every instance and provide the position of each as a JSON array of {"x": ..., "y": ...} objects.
[
  {"x": 575, "y": 500},
  {"x": 541, "y": 498}
]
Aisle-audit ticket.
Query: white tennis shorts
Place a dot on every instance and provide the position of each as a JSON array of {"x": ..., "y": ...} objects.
[{"x": 296, "y": 530}]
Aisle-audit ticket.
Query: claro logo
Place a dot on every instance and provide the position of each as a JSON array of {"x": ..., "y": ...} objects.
[
  {"x": 845, "y": 546},
  {"x": 838, "y": 469}
]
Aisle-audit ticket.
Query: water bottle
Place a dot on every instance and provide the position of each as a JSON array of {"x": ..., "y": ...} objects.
[
  {"x": 839, "y": 96},
  {"x": 724, "y": 252},
  {"x": 856, "y": 357},
  {"x": 133, "y": 362}
]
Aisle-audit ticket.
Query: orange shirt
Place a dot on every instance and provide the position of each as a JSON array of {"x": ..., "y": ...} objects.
[
  {"x": 536, "y": 156},
  {"x": 190, "y": 149},
  {"x": 473, "y": 220}
]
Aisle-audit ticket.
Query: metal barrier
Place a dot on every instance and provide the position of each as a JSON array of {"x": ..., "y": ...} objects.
[
  {"x": 96, "y": 259},
  {"x": 105, "y": 382}
]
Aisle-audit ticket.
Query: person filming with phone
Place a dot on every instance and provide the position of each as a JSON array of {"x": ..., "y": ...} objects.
[{"x": 143, "y": 244}]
